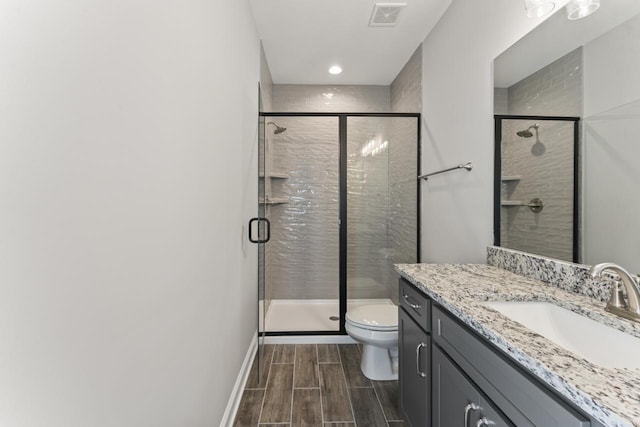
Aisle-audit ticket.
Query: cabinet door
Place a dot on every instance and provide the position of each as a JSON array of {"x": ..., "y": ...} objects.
[
  {"x": 456, "y": 399},
  {"x": 415, "y": 373}
]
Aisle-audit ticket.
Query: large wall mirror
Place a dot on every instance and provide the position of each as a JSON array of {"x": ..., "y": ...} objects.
[{"x": 567, "y": 106}]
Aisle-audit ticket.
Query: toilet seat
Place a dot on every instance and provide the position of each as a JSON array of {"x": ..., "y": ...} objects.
[{"x": 375, "y": 317}]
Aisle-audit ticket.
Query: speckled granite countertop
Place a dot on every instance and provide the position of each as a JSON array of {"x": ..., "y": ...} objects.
[{"x": 612, "y": 396}]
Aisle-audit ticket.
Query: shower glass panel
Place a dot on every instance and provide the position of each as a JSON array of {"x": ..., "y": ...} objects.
[
  {"x": 382, "y": 195},
  {"x": 302, "y": 184},
  {"x": 537, "y": 185}
]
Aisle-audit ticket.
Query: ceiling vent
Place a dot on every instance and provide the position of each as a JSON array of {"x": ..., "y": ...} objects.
[{"x": 385, "y": 14}]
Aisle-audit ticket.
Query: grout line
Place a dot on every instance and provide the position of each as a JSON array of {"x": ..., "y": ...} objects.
[
  {"x": 293, "y": 381},
  {"x": 319, "y": 389},
  {"x": 344, "y": 376},
  {"x": 380, "y": 405},
  {"x": 264, "y": 396}
]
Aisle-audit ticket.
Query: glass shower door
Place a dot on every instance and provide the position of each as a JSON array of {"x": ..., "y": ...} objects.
[
  {"x": 302, "y": 202},
  {"x": 382, "y": 195}
]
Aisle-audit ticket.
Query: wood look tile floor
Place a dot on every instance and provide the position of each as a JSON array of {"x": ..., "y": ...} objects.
[{"x": 316, "y": 385}]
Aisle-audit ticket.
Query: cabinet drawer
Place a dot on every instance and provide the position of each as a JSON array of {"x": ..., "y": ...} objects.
[
  {"x": 518, "y": 394},
  {"x": 417, "y": 304}
]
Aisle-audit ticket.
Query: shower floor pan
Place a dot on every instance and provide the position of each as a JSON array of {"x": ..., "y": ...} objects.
[{"x": 309, "y": 315}]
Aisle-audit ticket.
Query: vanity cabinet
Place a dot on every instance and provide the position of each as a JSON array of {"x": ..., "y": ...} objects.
[
  {"x": 457, "y": 401},
  {"x": 447, "y": 371},
  {"x": 414, "y": 347},
  {"x": 504, "y": 392}
]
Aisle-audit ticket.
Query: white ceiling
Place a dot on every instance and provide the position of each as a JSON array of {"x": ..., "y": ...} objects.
[{"x": 303, "y": 38}]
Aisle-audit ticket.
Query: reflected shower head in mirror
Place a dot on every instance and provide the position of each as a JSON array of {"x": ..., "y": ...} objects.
[
  {"x": 527, "y": 132},
  {"x": 279, "y": 129}
]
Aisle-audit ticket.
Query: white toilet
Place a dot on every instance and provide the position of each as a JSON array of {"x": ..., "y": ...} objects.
[{"x": 376, "y": 327}]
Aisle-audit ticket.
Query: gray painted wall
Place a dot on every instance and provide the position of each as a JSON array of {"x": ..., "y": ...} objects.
[
  {"x": 611, "y": 129},
  {"x": 128, "y": 177}
]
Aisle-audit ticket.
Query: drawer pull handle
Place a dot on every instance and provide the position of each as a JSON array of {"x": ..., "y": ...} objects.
[
  {"x": 484, "y": 422},
  {"x": 409, "y": 300},
  {"x": 418, "y": 349},
  {"x": 470, "y": 407}
]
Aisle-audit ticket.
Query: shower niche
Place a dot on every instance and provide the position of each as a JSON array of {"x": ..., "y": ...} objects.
[{"x": 340, "y": 195}]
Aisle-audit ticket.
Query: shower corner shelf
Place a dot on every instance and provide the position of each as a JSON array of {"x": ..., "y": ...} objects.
[
  {"x": 275, "y": 201},
  {"x": 511, "y": 203},
  {"x": 276, "y": 175},
  {"x": 511, "y": 178}
]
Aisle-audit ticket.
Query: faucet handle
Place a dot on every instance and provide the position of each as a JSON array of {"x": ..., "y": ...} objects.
[{"x": 617, "y": 299}]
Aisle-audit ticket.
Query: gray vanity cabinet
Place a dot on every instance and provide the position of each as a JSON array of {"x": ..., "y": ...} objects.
[
  {"x": 447, "y": 369},
  {"x": 415, "y": 356},
  {"x": 457, "y": 401},
  {"x": 499, "y": 383}
]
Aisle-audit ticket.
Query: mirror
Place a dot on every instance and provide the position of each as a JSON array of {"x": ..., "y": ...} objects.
[{"x": 590, "y": 69}]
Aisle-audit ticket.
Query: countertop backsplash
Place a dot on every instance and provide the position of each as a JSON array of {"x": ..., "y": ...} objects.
[{"x": 565, "y": 275}]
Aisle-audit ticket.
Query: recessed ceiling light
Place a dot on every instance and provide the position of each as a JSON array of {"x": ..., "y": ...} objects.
[{"x": 335, "y": 69}]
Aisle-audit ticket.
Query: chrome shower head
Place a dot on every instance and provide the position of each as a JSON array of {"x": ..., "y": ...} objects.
[
  {"x": 279, "y": 129},
  {"x": 527, "y": 132}
]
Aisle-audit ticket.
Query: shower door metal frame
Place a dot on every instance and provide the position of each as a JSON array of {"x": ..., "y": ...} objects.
[
  {"x": 497, "y": 171},
  {"x": 342, "y": 142}
]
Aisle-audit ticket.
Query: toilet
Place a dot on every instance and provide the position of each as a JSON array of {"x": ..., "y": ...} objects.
[{"x": 376, "y": 327}]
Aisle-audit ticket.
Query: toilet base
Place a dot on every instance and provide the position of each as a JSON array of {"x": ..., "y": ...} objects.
[{"x": 379, "y": 363}]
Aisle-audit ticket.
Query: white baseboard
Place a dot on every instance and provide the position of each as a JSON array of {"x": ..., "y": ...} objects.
[
  {"x": 236, "y": 394},
  {"x": 309, "y": 339}
]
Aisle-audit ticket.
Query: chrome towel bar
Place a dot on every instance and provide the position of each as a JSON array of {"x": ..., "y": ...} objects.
[{"x": 468, "y": 166}]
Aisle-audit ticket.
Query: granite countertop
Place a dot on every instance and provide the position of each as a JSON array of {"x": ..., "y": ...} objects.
[{"x": 612, "y": 396}]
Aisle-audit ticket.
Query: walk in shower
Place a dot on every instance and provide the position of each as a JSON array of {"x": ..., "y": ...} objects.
[
  {"x": 338, "y": 206},
  {"x": 536, "y": 185}
]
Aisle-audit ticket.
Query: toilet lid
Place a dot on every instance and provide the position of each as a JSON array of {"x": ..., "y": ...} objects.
[{"x": 379, "y": 317}]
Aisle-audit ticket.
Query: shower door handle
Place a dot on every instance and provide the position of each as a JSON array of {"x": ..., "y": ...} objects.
[{"x": 251, "y": 228}]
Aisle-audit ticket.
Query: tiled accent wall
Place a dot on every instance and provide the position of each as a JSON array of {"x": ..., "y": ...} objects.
[
  {"x": 331, "y": 99},
  {"x": 266, "y": 83},
  {"x": 545, "y": 170},
  {"x": 406, "y": 88},
  {"x": 315, "y": 276},
  {"x": 565, "y": 275},
  {"x": 406, "y": 97},
  {"x": 544, "y": 165},
  {"x": 370, "y": 247},
  {"x": 303, "y": 253},
  {"x": 554, "y": 90}
]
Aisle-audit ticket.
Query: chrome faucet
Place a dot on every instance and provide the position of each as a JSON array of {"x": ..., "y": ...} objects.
[{"x": 629, "y": 309}]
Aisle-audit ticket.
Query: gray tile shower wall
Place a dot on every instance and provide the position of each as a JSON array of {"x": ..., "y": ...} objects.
[
  {"x": 303, "y": 253},
  {"x": 564, "y": 275},
  {"x": 554, "y": 90},
  {"x": 331, "y": 99},
  {"x": 305, "y": 230},
  {"x": 406, "y": 97},
  {"x": 545, "y": 171},
  {"x": 376, "y": 238},
  {"x": 266, "y": 83},
  {"x": 545, "y": 163},
  {"x": 368, "y": 269},
  {"x": 406, "y": 88}
]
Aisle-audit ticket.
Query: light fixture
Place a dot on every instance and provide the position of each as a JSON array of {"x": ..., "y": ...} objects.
[
  {"x": 335, "y": 69},
  {"x": 538, "y": 8},
  {"x": 578, "y": 9}
]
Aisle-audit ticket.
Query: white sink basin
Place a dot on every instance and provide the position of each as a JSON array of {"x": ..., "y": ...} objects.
[{"x": 598, "y": 343}]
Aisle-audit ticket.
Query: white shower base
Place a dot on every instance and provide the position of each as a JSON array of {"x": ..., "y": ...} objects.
[{"x": 309, "y": 315}]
